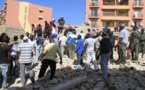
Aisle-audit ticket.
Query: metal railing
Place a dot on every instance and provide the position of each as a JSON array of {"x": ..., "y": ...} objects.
[
  {"x": 138, "y": 16},
  {"x": 138, "y": 4},
  {"x": 94, "y": 15},
  {"x": 94, "y": 4},
  {"x": 108, "y": 13}
]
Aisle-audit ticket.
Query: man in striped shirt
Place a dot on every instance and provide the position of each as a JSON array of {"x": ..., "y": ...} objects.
[{"x": 25, "y": 59}]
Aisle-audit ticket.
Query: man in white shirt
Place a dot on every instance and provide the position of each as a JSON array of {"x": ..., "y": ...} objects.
[
  {"x": 25, "y": 60},
  {"x": 90, "y": 48},
  {"x": 82, "y": 35},
  {"x": 62, "y": 44},
  {"x": 123, "y": 41}
]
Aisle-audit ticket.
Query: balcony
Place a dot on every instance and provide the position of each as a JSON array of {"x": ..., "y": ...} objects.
[
  {"x": 113, "y": 5},
  {"x": 136, "y": 17},
  {"x": 94, "y": 5},
  {"x": 115, "y": 17},
  {"x": 138, "y": 5},
  {"x": 93, "y": 16}
]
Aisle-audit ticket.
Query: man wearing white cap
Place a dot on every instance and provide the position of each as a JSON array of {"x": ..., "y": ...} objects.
[
  {"x": 25, "y": 59},
  {"x": 123, "y": 41}
]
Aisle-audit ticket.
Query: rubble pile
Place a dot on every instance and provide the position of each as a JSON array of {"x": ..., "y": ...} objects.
[{"x": 129, "y": 76}]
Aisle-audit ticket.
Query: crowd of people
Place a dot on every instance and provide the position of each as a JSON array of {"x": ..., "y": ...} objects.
[{"x": 43, "y": 46}]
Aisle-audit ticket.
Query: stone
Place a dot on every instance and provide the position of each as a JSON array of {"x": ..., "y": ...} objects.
[
  {"x": 99, "y": 86},
  {"x": 70, "y": 84}
]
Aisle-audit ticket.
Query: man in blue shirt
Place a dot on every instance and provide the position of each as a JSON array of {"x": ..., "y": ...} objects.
[
  {"x": 79, "y": 50},
  {"x": 71, "y": 40},
  {"x": 39, "y": 46}
]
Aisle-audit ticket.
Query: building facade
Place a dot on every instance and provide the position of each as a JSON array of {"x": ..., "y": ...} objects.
[
  {"x": 111, "y": 13},
  {"x": 24, "y": 14}
]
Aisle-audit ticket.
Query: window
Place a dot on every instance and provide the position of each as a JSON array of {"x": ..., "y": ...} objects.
[
  {"x": 94, "y": 13},
  {"x": 24, "y": 24},
  {"x": 137, "y": 14},
  {"x": 94, "y": 2},
  {"x": 25, "y": 9},
  {"x": 25, "y": 17},
  {"x": 94, "y": 24}
]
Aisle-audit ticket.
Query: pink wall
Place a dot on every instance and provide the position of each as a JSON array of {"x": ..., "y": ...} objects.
[
  {"x": 34, "y": 14},
  {"x": 12, "y": 13}
]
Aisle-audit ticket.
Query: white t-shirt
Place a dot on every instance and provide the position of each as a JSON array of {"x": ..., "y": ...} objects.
[
  {"x": 124, "y": 34},
  {"x": 56, "y": 41},
  {"x": 33, "y": 43},
  {"x": 82, "y": 35},
  {"x": 90, "y": 42},
  {"x": 63, "y": 40},
  {"x": 98, "y": 39},
  {"x": 46, "y": 41},
  {"x": 14, "y": 49}
]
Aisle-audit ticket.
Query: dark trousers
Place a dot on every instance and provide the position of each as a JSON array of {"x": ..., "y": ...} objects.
[
  {"x": 12, "y": 66},
  {"x": 44, "y": 66},
  {"x": 111, "y": 56},
  {"x": 60, "y": 29}
]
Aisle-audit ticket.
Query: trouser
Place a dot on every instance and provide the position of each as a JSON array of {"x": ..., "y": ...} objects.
[
  {"x": 13, "y": 64},
  {"x": 97, "y": 53},
  {"x": 28, "y": 67},
  {"x": 122, "y": 51},
  {"x": 104, "y": 64},
  {"x": 142, "y": 48},
  {"x": 60, "y": 29},
  {"x": 79, "y": 59},
  {"x": 39, "y": 50},
  {"x": 62, "y": 48},
  {"x": 4, "y": 71},
  {"x": 90, "y": 55},
  {"x": 134, "y": 49},
  {"x": 44, "y": 66},
  {"x": 71, "y": 50},
  {"x": 111, "y": 56}
]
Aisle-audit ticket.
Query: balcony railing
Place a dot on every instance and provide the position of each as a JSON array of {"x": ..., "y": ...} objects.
[
  {"x": 138, "y": 16},
  {"x": 109, "y": 14},
  {"x": 94, "y": 4},
  {"x": 94, "y": 15},
  {"x": 140, "y": 4}
]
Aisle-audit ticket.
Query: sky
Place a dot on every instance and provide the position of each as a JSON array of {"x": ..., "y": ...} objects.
[{"x": 72, "y": 10}]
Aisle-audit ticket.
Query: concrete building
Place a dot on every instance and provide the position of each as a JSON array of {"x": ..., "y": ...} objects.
[
  {"x": 23, "y": 14},
  {"x": 112, "y": 13}
]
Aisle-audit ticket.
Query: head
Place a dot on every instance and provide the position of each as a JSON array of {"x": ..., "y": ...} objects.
[
  {"x": 31, "y": 37},
  {"x": 82, "y": 32},
  {"x": 79, "y": 37},
  {"x": 25, "y": 39},
  {"x": 104, "y": 34},
  {"x": 89, "y": 30},
  {"x": 122, "y": 26},
  {"x": 39, "y": 25},
  {"x": 88, "y": 35},
  {"x": 61, "y": 17},
  {"x": 6, "y": 39},
  {"x": 33, "y": 25},
  {"x": 15, "y": 38},
  {"x": 27, "y": 34},
  {"x": 21, "y": 37},
  {"x": 39, "y": 35},
  {"x": 135, "y": 28},
  {"x": 3, "y": 35},
  {"x": 110, "y": 33}
]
